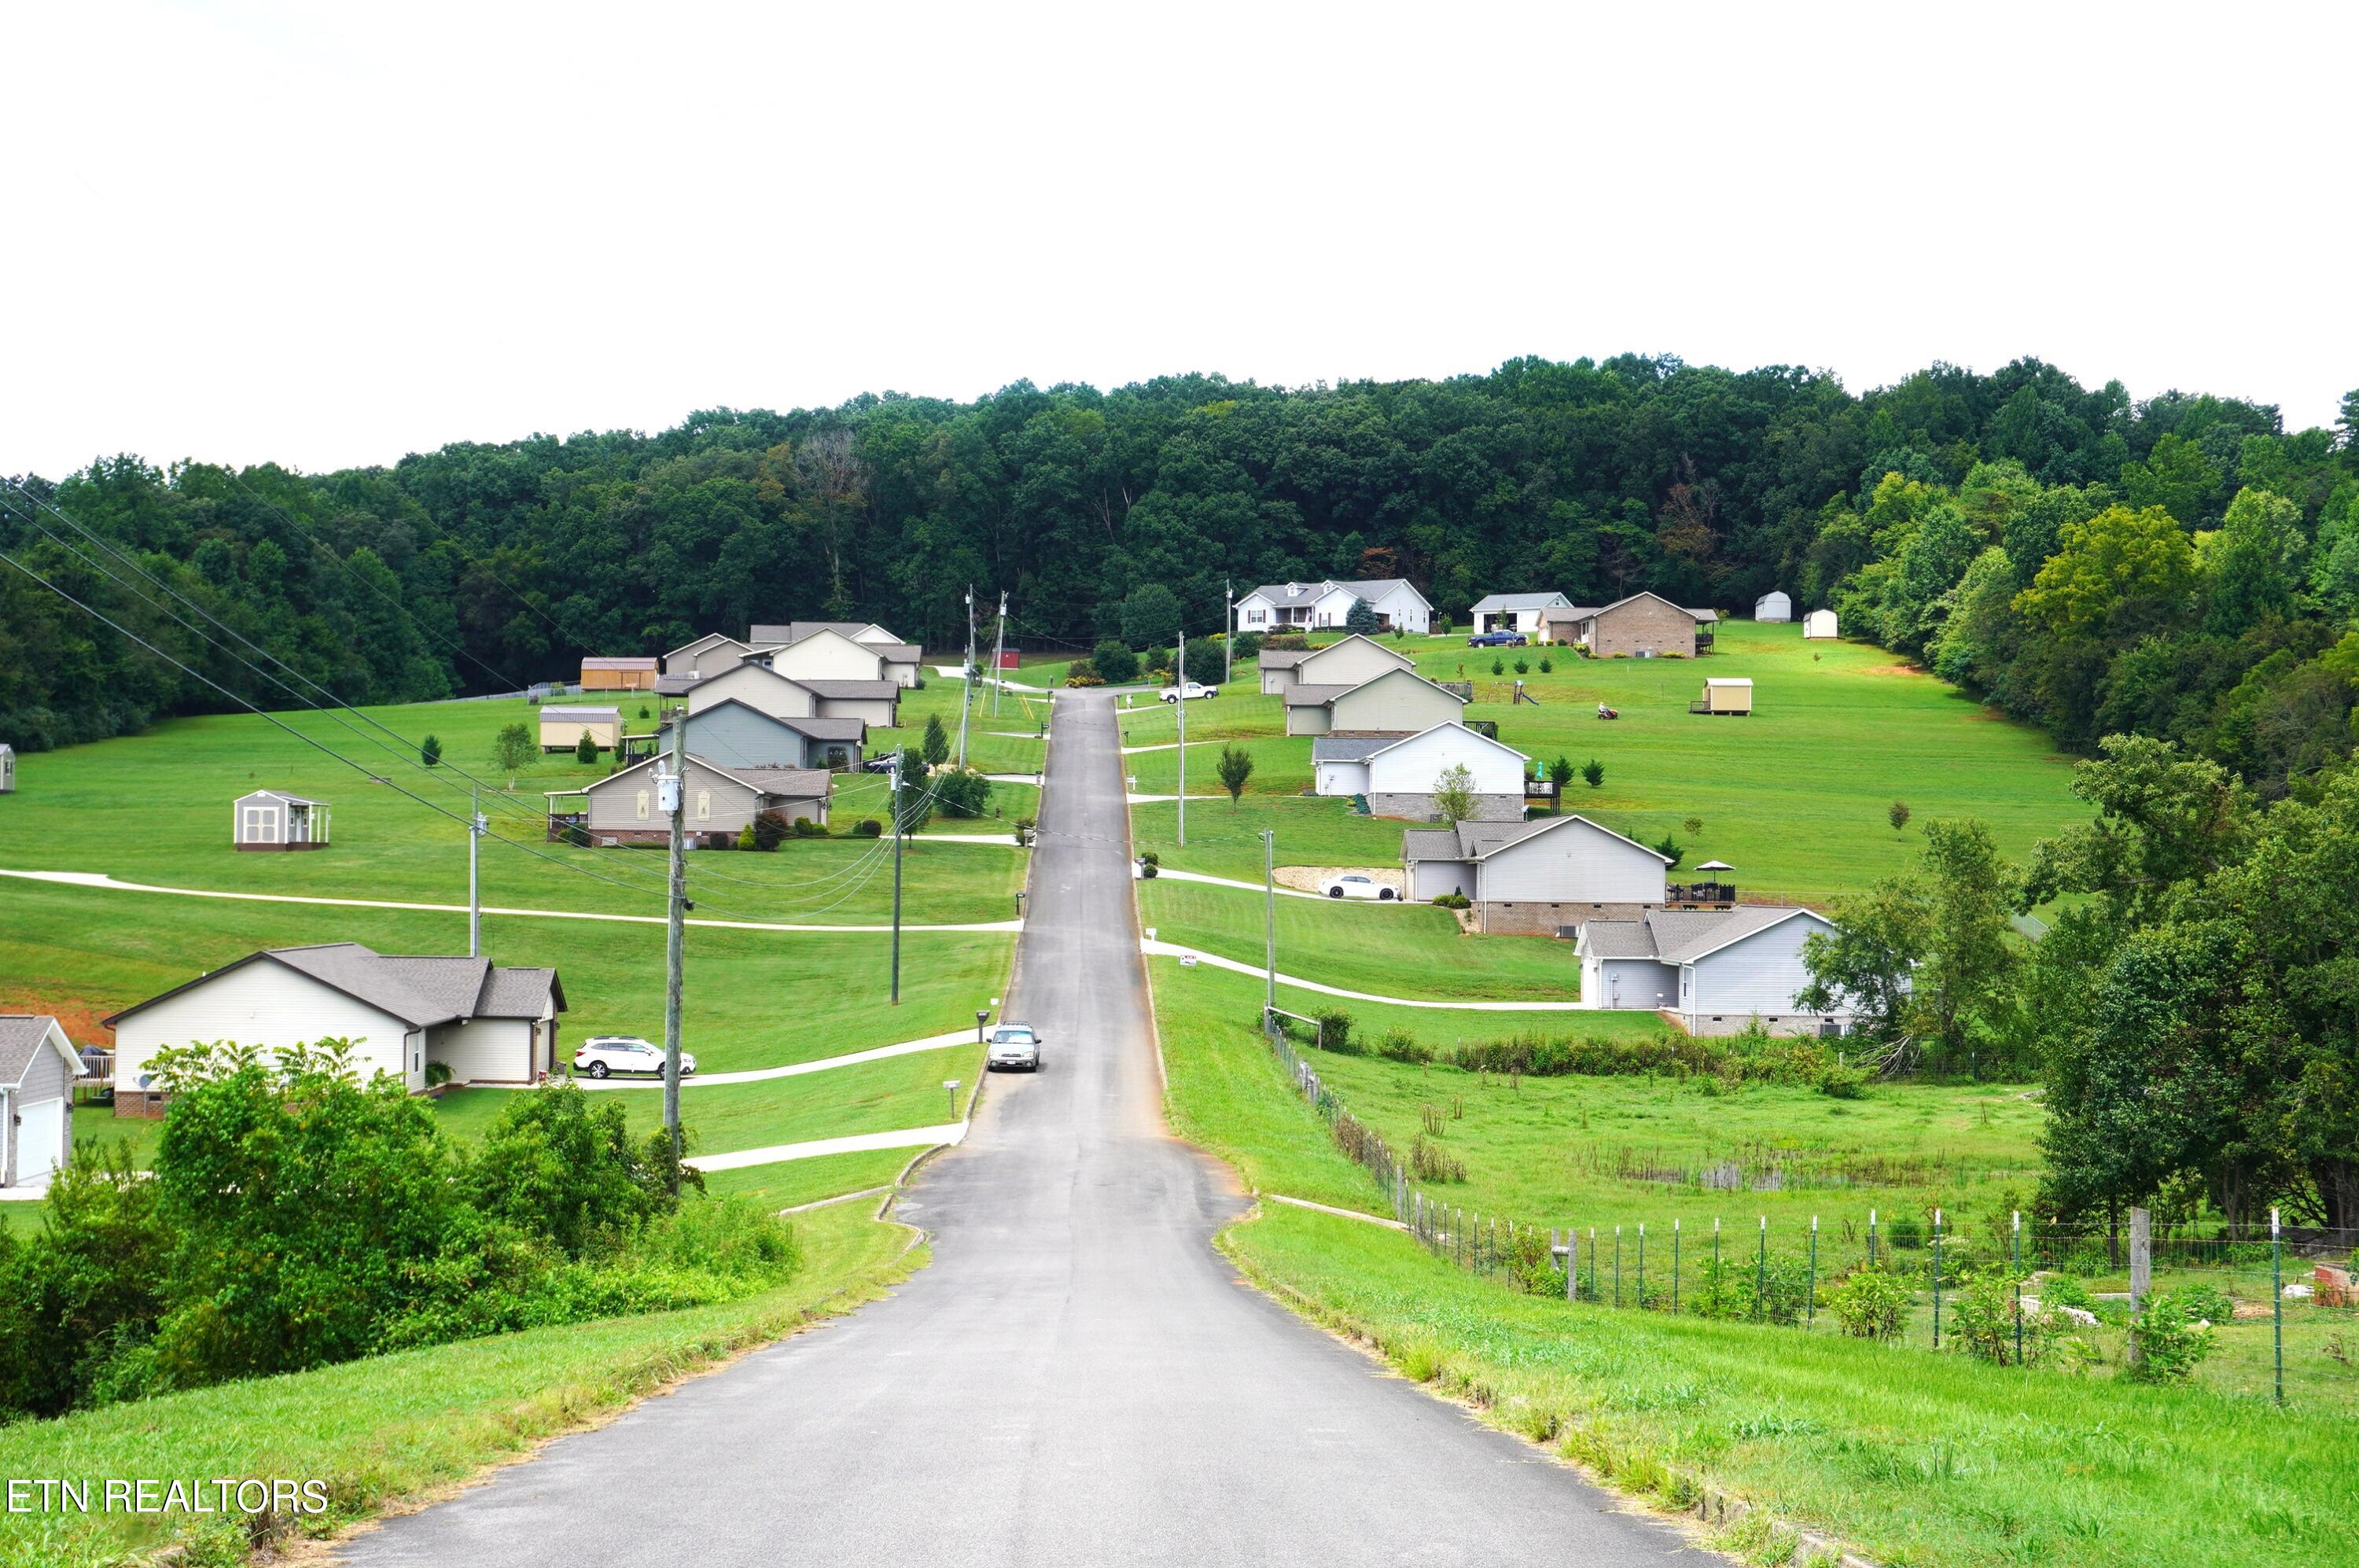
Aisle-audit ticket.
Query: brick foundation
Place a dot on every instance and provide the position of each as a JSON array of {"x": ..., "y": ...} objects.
[
  {"x": 1543, "y": 919},
  {"x": 1419, "y": 808}
]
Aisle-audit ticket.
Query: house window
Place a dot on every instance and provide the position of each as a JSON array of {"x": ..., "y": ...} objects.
[
  {"x": 1254, "y": 617},
  {"x": 643, "y": 805}
]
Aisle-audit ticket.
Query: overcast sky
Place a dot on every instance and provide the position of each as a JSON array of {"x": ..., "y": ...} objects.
[{"x": 333, "y": 234}]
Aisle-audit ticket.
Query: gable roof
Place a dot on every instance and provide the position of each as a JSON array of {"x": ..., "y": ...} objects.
[
  {"x": 273, "y": 795},
  {"x": 22, "y": 1037},
  {"x": 1583, "y": 613},
  {"x": 795, "y": 631},
  {"x": 1479, "y": 841},
  {"x": 1284, "y": 657},
  {"x": 1395, "y": 675},
  {"x": 1683, "y": 936},
  {"x": 578, "y": 712},
  {"x": 1402, "y": 660},
  {"x": 1492, "y": 602},
  {"x": 618, "y": 664},
  {"x": 1452, "y": 725},
  {"x": 1311, "y": 591},
  {"x": 419, "y": 991},
  {"x": 1304, "y": 695},
  {"x": 846, "y": 689},
  {"x": 670, "y": 685},
  {"x": 795, "y": 783},
  {"x": 1354, "y": 745},
  {"x": 817, "y": 729},
  {"x": 698, "y": 645}
]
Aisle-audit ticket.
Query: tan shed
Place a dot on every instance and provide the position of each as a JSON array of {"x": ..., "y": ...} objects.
[
  {"x": 1724, "y": 695},
  {"x": 561, "y": 729},
  {"x": 618, "y": 674}
]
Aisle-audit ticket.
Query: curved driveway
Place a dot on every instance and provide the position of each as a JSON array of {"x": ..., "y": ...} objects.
[{"x": 1077, "y": 1380}]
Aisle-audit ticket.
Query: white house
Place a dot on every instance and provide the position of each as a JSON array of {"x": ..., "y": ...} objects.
[
  {"x": 273, "y": 819},
  {"x": 1714, "y": 970},
  {"x": 1399, "y": 701},
  {"x": 1346, "y": 662},
  {"x": 900, "y": 661},
  {"x": 1534, "y": 878},
  {"x": 1302, "y": 606},
  {"x": 1523, "y": 613},
  {"x": 1819, "y": 623},
  {"x": 488, "y": 1023},
  {"x": 1397, "y": 773},
  {"x": 1774, "y": 606},
  {"x": 37, "y": 1069}
]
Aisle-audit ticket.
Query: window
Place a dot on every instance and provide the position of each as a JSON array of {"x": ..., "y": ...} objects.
[
  {"x": 704, "y": 805},
  {"x": 643, "y": 805}
]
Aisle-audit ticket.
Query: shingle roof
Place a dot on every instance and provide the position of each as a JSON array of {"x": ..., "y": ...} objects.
[
  {"x": 674, "y": 685},
  {"x": 897, "y": 652},
  {"x": 793, "y": 783},
  {"x": 579, "y": 714},
  {"x": 848, "y": 689},
  {"x": 518, "y": 993},
  {"x": 1489, "y": 601},
  {"x": 1355, "y": 745},
  {"x": 1617, "y": 939},
  {"x": 22, "y": 1036},
  {"x": 1284, "y": 657},
  {"x": 1582, "y": 612},
  {"x": 1305, "y": 695},
  {"x": 1470, "y": 841},
  {"x": 822, "y": 729},
  {"x": 418, "y": 991},
  {"x": 1429, "y": 843},
  {"x": 618, "y": 664},
  {"x": 1680, "y": 936}
]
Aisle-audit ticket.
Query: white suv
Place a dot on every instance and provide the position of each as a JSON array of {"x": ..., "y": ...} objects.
[
  {"x": 604, "y": 1053},
  {"x": 1012, "y": 1046}
]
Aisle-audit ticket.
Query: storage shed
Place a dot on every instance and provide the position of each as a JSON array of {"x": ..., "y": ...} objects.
[
  {"x": 1773, "y": 605},
  {"x": 8, "y": 769},
  {"x": 272, "y": 818},
  {"x": 37, "y": 1069},
  {"x": 1819, "y": 623},
  {"x": 561, "y": 729},
  {"x": 1731, "y": 695},
  {"x": 618, "y": 674}
]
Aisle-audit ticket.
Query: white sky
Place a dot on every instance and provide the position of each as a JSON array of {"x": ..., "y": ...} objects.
[{"x": 332, "y": 234}]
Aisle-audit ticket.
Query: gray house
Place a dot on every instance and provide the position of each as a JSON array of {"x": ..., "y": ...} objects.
[
  {"x": 716, "y": 805},
  {"x": 735, "y": 734},
  {"x": 1530, "y": 878},
  {"x": 708, "y": 655},
  {"x": 1400, "y": 700},
  {"x": 37, "y": 1068},
  {"x": 875, "y": 702},
  {"x": 1345, "y": 663},
  {"x": 1713, "y": 971}
]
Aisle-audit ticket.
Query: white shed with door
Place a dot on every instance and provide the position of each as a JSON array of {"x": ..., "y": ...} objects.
[
  {"x": 1819, "y": 623},
  {"x": 8, "y": 769},
  {"x": 273, "y": 819},
  {"x": 37, "y": 1069},
  {"x": 1773, "y": 605}
]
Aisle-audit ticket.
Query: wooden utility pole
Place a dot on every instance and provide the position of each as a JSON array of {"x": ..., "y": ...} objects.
[
  {"x": 1270, "y": 922},
  {"x": 966, "y": 695},
  {"x": 999, "y": 654},
  {"x": 1182, "y": 705},
  {"x": 671, "y": 791},
  {"x": 893, "y": 804},
  {"x": 477, "y": 825}
]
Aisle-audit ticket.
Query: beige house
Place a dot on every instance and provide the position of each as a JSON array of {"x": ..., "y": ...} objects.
[
  {"x": 1533, "y": 878},
  {"x": 487, "y": 1023},
  {"x": 900, "y": 662},
  {"x": 1347, "y": 663},
  {"x": 708, "y": 655},
  {"x": 562, "y": 727},
  {"x": 37, "y": 1068},
  {"x": 1399, "y": 701},
  {"x": 1641, "y": 625},
  {"x": 716, "y": 803}
]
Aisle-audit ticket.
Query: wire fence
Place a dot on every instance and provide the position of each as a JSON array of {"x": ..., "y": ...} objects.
[{"x": 2241, "y": 1308}]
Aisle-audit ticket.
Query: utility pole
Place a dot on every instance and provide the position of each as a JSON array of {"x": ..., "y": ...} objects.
[
  {"x": 477, "y": 826},
  {"x": 1269, "y": 921},
  {"x": 966, "y": 698},
  {"x": 999, "y": 654},
  {"x": 1182, "y": 706},
  {"x": 672, "y": 790},
  {"x": 1228, "y": 631},
  {"x": 894, "y": 804}
]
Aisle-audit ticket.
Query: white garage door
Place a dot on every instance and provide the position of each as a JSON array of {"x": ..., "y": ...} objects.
[{"x": 38, "y": 1138}]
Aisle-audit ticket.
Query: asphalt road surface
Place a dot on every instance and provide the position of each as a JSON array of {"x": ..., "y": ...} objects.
[{"x": 1077, "y": 1380}]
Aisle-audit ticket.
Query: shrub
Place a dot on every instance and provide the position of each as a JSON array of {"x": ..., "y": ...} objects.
[
  {"x": 562, "y": 1166},
  {"x": 437, "y": 1074},
  {"x": 1335, "y": 1033},
  {"x": 1985, "y": 1317},
  {"x": 1284, "y": 642},
  {"x": 2207, "y": 1302},
  {"x": 1775, "y": 1289},
  {"x": 1148, "y": 869},
  {"x": 585, "y": 750},
  {"x": 770, "y": 829},
  {"x": 867, "y": 827},
  {"x": 1246, "y": 644},
  {"x": 1152, "y": 858},
  {"x": 1594, "y": 773},
  {"x": 1904, "y": 1233},
  {"x": 745, "y": 837},
  {"x": 1547, "y": 666},
  {"x": 643, "y": 711},
  {"x": 1869, "y": 1303},
  {"x": 429, "y": 750},
  {"x": 1453, "y": 901},
  {"x": 1082, "y": 672},
  {"x": 962, "y": 792},
  {"x": 1115, "y": 663},
  {"x": 1498, "y": 666},
  {"x": 1399, "y": 1045},
  {"x": 2167, "y": 1342},
  {"x": 1523, "y": 665},
  {"x": 804, "y": 827},
  {"x": 1428, "y": 1161}
]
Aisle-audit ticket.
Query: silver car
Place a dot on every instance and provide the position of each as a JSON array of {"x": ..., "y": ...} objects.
[{"x": 1012, "y": 1046}]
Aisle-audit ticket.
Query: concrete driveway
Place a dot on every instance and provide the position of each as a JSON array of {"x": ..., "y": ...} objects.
[{"x": 1078, "y": 1378}]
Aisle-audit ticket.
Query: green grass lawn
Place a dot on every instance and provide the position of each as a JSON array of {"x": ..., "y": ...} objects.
[
  {"x": 1912, "y": 1457},
  {"x": 794, "y": 1181},
  {"x": 402, "y": 1426},
  {"x": 752, "y": 998},
  {"x": 1224, "y": 840},
  {"x": 872, "y": 1097},
  {"x": 1003, "y": 742}
]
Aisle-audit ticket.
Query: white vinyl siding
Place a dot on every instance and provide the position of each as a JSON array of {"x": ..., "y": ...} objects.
[
  {"x": 1574, "y": 862},
  {"x": 1412, "y": 766},
  {"x": 268, "y": 1005},
  {"x": 877, "y": 712},
  {"x": 1348, "y": 663},
  {"x": 757, "y": 687},
  {"x": 1758, "y": 973},
  {"x": 733, "y": 736},
  {"x": 1342, "y": 779},
  {"x": 484, "y": 1051},
  {"x": 1435, "y": 878},
  {"x": 1630, "y": 984},
  {"x": 828, "y": 656},
  {"x": 1395, "y": 701}
]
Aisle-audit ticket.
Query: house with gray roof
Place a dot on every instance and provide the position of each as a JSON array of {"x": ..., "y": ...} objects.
[
  {"x": 1524, "y": 614},
  {"x": 708, "y": 655},
  {"x": 1531, "y": 877},
  {"x": 487, "y": 1023},
  {"x": 1710, "y": 970},
  {"x": 37, "y": 1069},
  {"x": 717, "y": 803},
  {"x": 1399, "y": 774},
  {"x": 1642, "y": 624},
  {"x": 899, "y": 662},
  {"x": 737, "y": 735},
  {"x": 1398, "y": 700},
  {"x": 1344, "y": 663},
  {"x": 1307, "y": 606}
]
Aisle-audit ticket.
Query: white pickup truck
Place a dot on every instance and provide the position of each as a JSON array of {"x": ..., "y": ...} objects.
[{"x": 1192, "y": 691}]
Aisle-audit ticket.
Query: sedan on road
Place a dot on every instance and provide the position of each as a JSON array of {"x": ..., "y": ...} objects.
[
  {"x": 1356, "y": 886},
  {"x": 1012, "y": 1046},
  {"x": 605, "y": 1053},
  {"x": 1194, "y": 690}
]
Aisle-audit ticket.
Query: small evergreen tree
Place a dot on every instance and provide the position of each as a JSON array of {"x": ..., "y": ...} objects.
[
  {"x": 1594, "y": 773},
  {"x": 1361, "y": 619},
  {"x": 936, "y": 747},
  {"x": 429, "y": 751},
  {"x": 1236, "y": 765},
  {"x": 585, "y": 750}
]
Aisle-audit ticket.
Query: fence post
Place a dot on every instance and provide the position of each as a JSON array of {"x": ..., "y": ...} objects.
[
  {"x": 1936, "y": 1279},
  {"x": 1675, "y": 1264},
  {"x": 2015, "y": 1270},
  {"x": 1617, "y": 1266},
  {"x": 1715, "y": 1249},
  {"x": 2277, "y": 1299},
  {"x": 1871, "y": 1238},
  {"x": 1571, "y": 1264},
  {"x": 1642, "y": 1264},
  {"x": 1761, "y": 1275},
  {"x": 2141, "y": 1272},
  {"x": 1593, "y": 1263},
  {"x": 1811, "y": 1308}
]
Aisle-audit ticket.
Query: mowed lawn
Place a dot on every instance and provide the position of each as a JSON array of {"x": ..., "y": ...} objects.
[
  {"x": 1795, "y": 796},
  {"x": 154, "y": 808}
]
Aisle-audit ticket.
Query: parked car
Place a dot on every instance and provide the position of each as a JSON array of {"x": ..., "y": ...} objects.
[
  {"x": 879, "y": 764},
  {"x": 604, "y": 1053},
  {"x": 1356, "y": 886},
  {"x": 1012, "y": 1046},
  {"x": 1195, "y": 689},
  {"x": 1497, "y": 639}
]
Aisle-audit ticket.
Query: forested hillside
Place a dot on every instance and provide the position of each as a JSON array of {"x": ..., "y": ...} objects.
[{"x": 2182, "y": 566}]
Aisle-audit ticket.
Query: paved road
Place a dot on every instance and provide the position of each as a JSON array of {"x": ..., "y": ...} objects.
[{"x": 1078, "y": 1378}]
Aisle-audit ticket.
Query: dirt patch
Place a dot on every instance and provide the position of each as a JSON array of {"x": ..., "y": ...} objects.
[
  {"x": 1887, "y": 669},
  {"x": 78, "y": 1019},
  {"x": 1308, "y": 878}
]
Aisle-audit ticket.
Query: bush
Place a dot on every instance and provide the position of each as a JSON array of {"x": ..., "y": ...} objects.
[
  {"x": 805, "y": 827},
  {"x": 1548, "y": 665},
  {"x": 1399, "y": 1045},
  {"x": 2167, "y": 1342},
  {"x": 2207, "y": 1303},
  {"x": 1594, "y": 773},
  {"x": 1983, "y": 1324},
  {"x": 562, "y": 1167},
  {"x": 1453, "y": 901},
  {"x": 867, "y": 827},
  {"x": 1904, "y": 1233},
  {"x": 1523, "y": 665},
  {"x": 1150, "y": 857},
  {"x": 437, "y": 1074},
  {"x": 1498, "y": 666},
  {"x": 1428, "y": 1161},
  {"x": 1082, "y": 672},
  {"x": 429, "y": 750},
  {"x": 1335, "y": 1033},
  {"x": 1148, "y": 870},
  {"x": 585, "y": 750},
  {"x": 962, "y": 792},
  {"x": 769, "y": 829},
  {"x": 1869, "y": 1303},
  {"x": 1284, "y": 642},
  {"x": 1753, "y": 1289},
  {"x": 1115, "y": 663},
  {"x": 1246, "y": 645}
]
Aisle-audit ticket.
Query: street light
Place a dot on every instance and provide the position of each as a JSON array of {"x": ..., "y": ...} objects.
[{"x": 952, "y": 1085}]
